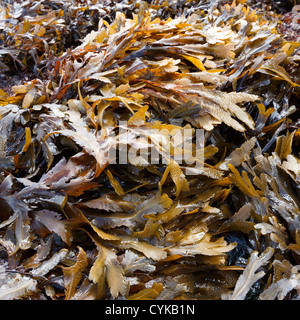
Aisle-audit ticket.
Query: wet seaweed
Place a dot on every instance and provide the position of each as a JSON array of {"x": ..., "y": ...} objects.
[{"x": 78, "y": 223}]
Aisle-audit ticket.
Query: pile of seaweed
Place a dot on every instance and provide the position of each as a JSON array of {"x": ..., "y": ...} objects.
[{"x": 74, "y": 224}]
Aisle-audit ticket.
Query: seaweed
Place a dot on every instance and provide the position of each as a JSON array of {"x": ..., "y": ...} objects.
[{"x": 149, "y": 150}]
